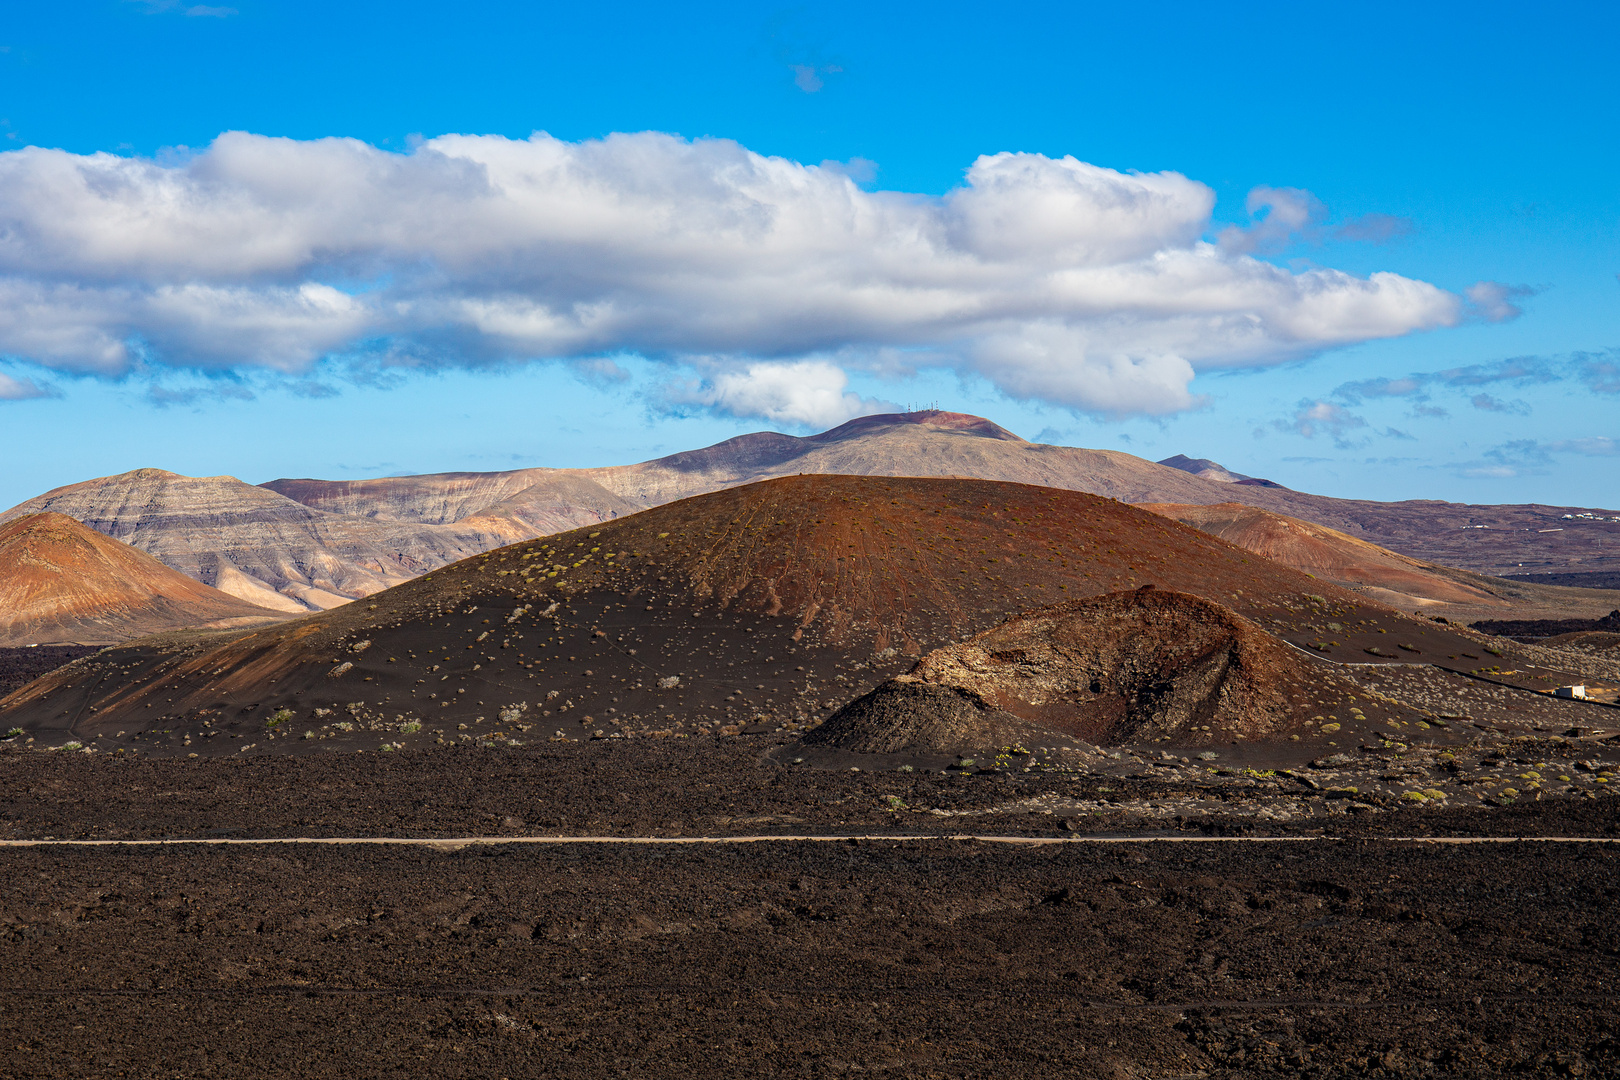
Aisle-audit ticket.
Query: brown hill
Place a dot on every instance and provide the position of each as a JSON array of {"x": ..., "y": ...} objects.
[
  {"x": 1328, "y": 553},
  {"x": 1124, "y": 667},
  {"x": 559, "y": 504},
  {"x": 1496, "y": 540},
  {"x": 61, "y": 582},
  {"x": 256, "y": 545},
  {"x": 1205, "y": 469},
  {"x": 1383, "y": 575},
  {"x": 781, "y": 599},
  {"x": 555, "y": 499}
]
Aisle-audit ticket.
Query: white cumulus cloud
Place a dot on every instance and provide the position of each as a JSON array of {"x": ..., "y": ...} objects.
[
  {"x": 1053, "y": 279},
  {"x": 802, "y": 393}
]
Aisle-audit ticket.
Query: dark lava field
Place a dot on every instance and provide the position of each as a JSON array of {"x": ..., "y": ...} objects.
[
  {"x": 933, "y": 958},
  {"x": 19, "y": 667},
  {"x": 564, "y": 811}
]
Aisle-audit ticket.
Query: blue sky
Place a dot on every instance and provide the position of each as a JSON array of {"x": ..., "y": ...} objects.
[{"x": 805, "y": 217}]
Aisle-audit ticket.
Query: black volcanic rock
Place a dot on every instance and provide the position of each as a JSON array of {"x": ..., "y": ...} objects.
[{"x": 1535, "y": 629}]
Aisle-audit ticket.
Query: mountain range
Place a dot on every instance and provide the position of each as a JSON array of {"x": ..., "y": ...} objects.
[{"x": 307, "y": 544}]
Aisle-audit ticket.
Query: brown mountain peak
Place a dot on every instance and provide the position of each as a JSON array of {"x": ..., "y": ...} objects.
[
  {"x": 61, "y": 581},
  {"x": 965, "y": 423}
]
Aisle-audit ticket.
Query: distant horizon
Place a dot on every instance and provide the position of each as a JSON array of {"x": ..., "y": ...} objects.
[{"x": 764, "y": 431}]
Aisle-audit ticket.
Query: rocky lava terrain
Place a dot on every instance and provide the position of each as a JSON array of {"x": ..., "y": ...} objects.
[
  {"x": 21, "y": 666},
  {"x": 1591, "y": 631},
  {"x": 1336, "y": 950},
  {"x": 913, "y": 959}
]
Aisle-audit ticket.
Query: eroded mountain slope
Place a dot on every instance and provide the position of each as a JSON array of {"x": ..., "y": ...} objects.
[
  {"x": 255, "y": 544},
  {"x": 61, "y": 582},
  {"x": 1484, "y": 539}
]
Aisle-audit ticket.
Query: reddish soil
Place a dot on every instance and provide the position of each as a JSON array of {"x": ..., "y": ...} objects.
[
  {"x": 1328, "y": 553},
  {"x": 63, "y": 583}
]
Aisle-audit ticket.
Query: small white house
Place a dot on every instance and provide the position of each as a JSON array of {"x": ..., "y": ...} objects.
[{"x": 1576, "y": 691}]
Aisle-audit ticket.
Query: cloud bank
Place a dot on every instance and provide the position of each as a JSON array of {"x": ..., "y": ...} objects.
[
  {"x": 1054, "y": 279},
  {"x": 1598, "y": 371},
  {"x": 1283, "y": 217}
]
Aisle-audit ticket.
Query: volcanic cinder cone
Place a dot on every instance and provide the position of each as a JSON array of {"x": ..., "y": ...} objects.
[
  {"x": 1134, "y": 666},
  {"x": 63, "y": 582}
]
